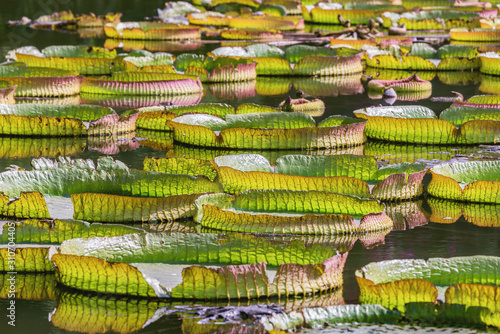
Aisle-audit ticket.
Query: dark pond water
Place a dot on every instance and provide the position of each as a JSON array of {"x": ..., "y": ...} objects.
[{"x": 59, "y": 310}]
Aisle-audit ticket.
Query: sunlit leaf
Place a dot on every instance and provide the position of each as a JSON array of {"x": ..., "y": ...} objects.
[
  {"x": 29, "y": 205},
  {"x": 29, "y": 286},
  {"x": 474, "y": 295},
  {"x": 82, "y": 112},
  {"x": 44, "y": 82},
  {"x": 180, "y": 165},
  {"x": 408, "y": 124},
  {"x": 323, "y": 14},
  {"x": 245, "y": 277},
  {"x": 113, "y": 208},
  {"x": 342, "y": 133},
  {"x": 26, "y": 258},
  {"x": 412, "y": 83},
  {"x": 151, "y": 31},
  {"x": 156, "y": 86},
  {"x": 111, "y": 177},
  {"x": 472, "y": 181},
  {"x": 290, "y": 212}
]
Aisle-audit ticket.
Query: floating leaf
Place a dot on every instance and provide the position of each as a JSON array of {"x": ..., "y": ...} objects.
[
  {"x": 6, "y": 93},
  {"x": 448, "y": 51},
  {"x": 78, "y": 176},
  {"x": 412, "y": 83},
  {"x": 396, "y": 294},
  {"x": 83, "y": 312},
  {"x": 331, "y": 315},
  {"x": 41, "y": 126},
  {"x": 432, "y": 20},
  {"x": 151, "y": 31},
  {"x": 179, "y": 165},
  {"x": 208, "y": 18},
  {"x": 235, "y": 181},
  {"x": 321, "y": 65},
  {"x": 423, "y": 50},
  {"x": 341, "y": 134},
  {"x": 330, "y": 16},
  {"x": 29, "y": 205},
  {"x": 401, "y": 181},
  {"x": 246, "y": 277},
  {"x": 438, "y": 271},
  {"x": 48, "y": 147},
  {"x": 155, "y": 87},
  {"x": 113, "y": 208},
  {"x": 448, "y": 212},
  {"x": 397, "y": 282},
  {"x": 275, "y": 211},
  {"x": 472, "y": 181},
  {"x": 355, "y": 43},
  {"x": 474, "y": 295},
  {"x": 56, "y": 231},
  {"x": 26, "y": 259},
  {"x": 409, "y": 126},
  {"x": 476, "y": 34},
  {"x": 285, "y": 23},
  {"x": 489, "y": 62},
  {"x": 43, "y": 82},
  {"x": 29, "y": 286}
]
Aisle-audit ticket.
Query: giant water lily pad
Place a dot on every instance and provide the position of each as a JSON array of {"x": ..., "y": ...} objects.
[
  {"x": 371, "y": 316},
  {"x": 410, "y": 88},
  {"x": 47, "y": 147},
  {"x": 82, "y": 59},
  {"x": 151, "y": 31},
  {"x": 114, "y": 208},
  {"x": 242, "y": 275},
  {"x": 433, "y": 20},
  {"x": 290, "y": 212},
  {"x": 26, "y": 258},
  {"x": 29, "y": 286},
  {"x": 301, "y": 60},
  {"x": 395, "y": 283},
  {"x": 43, "y": 82},
  {"x": 267, "y": 131},
  {"x": 476, "y": 34},
  {"x": 68, "y": 176},
  {"x": 461, "y": 112},
  {"x": 69, "y": 120},
  {"x": 473, "y": 181},
  {"x": 324, "y": 13},
  {"x": 417, "y": 124},
  {"x": 44, "y": 231},
  {"x": 338, "y": 173}
]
